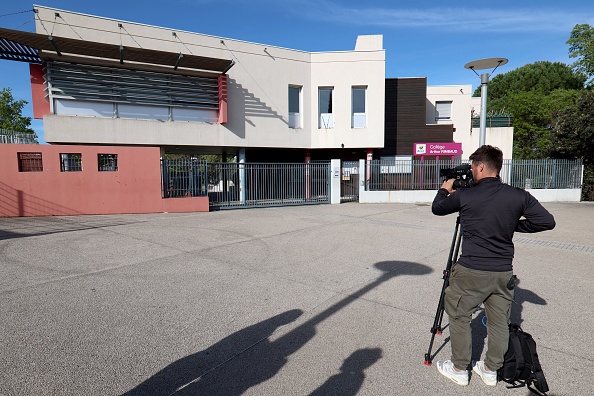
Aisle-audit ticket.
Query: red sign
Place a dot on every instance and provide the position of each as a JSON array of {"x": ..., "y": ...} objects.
[{"x": 438, "y": 148}]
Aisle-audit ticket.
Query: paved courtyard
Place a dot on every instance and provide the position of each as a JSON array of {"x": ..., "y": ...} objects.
[{"x": 307, "y": 300}]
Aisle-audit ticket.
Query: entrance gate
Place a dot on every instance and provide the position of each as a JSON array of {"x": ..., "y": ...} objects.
[
  {"x": 263, "y": 184},
  {"x": 349, "y": 181}
]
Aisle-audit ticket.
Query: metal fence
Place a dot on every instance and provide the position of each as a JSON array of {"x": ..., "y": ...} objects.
[
  {"x": 390, "y": 175},
  {"x": 183, "y": 178},
  {"x": 12, "y": 137},
  {"x": 268, "y": 184},
  {"x": 265, "y": 184}
]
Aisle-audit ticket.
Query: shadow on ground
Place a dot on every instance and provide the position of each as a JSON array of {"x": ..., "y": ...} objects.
[{"x": 249, "y": 357}]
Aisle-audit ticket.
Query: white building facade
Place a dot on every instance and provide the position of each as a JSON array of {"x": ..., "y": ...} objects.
[{"x": 268, "y": 97}]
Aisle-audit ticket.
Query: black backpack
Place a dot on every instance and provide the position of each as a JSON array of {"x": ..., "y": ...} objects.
[{"x": 521, "y": 366}]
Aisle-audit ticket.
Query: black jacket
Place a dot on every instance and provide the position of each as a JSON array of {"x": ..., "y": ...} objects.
[{"x": 490, "y": 212}]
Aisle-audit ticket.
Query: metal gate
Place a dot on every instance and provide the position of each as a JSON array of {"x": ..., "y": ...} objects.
[
  {"x": 264, "y": 184},
  {"x": 349, "y": 181}
]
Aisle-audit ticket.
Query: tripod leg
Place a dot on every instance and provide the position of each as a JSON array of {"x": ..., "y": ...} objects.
[{"x": 452, "y": 257}]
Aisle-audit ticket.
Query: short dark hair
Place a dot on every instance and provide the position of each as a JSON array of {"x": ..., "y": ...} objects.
[{"x": 491, "y": 156}]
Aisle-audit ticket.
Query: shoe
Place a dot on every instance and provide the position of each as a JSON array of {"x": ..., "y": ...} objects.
[
  {"x": 446, "y": 368},
  {"x": 488, "y": 377}
]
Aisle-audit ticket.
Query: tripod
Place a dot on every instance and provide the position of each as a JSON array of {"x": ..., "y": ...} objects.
[{"x": 453, "y": 256}]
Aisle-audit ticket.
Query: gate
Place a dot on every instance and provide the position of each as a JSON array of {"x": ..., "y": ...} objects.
[
  {"x": 264, "y": 184},
  {"x": 349, "y": 181},
  {"x": 268, "y": 184}
]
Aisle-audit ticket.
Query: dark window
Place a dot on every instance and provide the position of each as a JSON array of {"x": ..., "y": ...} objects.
[
  {"x": 108, "y": 162},
  {"x": 30, "y": 162},
  {"x": 71, "y": 162}
]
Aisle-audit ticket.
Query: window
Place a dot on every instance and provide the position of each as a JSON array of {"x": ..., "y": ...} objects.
[
  {"x": 107, "y": 162},
  {"x": 30, "y": 162},
  {"x": 71, "y": 162},
  {"x": 326, "y": 119},
  {"x": 443, "y": 111},
  {"x": 359, "y": 113},
  {"x": 294, "y": 107}
]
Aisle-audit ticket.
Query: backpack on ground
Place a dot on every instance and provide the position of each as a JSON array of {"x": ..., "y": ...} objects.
[{"x": 521, "y": 366}]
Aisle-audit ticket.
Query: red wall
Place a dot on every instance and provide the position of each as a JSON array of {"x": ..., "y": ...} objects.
[{"x": 134, "y": 188}]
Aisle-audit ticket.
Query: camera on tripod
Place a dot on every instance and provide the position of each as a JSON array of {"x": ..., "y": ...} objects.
[{"x": 462, "y": 174}]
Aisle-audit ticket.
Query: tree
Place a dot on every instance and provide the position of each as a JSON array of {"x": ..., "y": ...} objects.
[
  {"x": 533, "y": 115},
  {"x": 532, "y": 94},
  {"x": 543, "y": 77},
  {"x": 574, "y": 137},
  {"x": 574, "y": 129},
  {"x": 581, "y": 46},
  {"x": 11, "y": 117}
]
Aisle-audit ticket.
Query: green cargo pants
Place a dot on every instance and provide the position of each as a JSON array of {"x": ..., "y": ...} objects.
[{"x": 467, "y": 289}]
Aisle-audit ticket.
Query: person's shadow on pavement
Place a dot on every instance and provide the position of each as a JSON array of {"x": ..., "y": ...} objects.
[
  {"x": 352, "y": 374},
  {"x": 249, "y": 356}
]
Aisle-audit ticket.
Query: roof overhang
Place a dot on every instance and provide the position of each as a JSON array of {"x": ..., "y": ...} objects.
[{"x": 34, "y": 48}]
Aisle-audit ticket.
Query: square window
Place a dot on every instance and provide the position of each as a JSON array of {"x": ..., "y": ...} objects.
[
  {"x": 71, "y": 162},
  {"x": 30, "y": 162},
  {"x": 443, "y": 111},
  {"x": 107, "y": 162}
]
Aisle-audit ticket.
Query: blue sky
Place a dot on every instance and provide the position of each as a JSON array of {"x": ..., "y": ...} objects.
[{"x": 424, "y": 38}]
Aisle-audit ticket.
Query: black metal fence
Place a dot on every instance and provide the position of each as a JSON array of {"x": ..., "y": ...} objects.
[
  {"x": 424, "y": 175},
  {"x": 265, "y": 184}
]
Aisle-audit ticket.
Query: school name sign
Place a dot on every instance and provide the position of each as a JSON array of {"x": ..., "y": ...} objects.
[{"x": 438, "y": 148}]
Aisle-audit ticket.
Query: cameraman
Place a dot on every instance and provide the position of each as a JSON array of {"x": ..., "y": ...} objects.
[{"x": 489, "y": 213}]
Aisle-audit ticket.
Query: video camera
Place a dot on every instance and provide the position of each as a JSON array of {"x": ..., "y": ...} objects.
[{"x": 462, "y": 174}]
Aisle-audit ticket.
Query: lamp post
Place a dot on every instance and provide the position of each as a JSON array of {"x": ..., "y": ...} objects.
[{"x": 483, "y": 64}]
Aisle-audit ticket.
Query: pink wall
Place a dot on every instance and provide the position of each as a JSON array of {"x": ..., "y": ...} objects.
[{"x": 134, "y": 188}]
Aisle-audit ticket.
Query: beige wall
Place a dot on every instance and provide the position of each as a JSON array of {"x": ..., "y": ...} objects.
[
  {"x": 463, "y": 106},
  {"x": 257, "y": 90}
]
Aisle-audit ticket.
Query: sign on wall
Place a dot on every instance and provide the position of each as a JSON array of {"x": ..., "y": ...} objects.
[{"x": 438, "y": 148}]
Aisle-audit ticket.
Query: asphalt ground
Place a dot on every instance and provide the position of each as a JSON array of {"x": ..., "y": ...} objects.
[{"x": 307, "y": 300}]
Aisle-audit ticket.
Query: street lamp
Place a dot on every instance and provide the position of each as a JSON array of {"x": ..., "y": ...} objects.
[{"x": 482, "y": 64}]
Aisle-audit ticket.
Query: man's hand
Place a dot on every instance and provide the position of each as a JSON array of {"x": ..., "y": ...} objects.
[{"x": 449, "y": 185}]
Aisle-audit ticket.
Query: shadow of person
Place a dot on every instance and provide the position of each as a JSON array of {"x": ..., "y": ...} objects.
[
  {"x": 522, "y": 296},
  {"x": 235, "y": 370},
  {"x": 185, "y": 370},
  {"x": 352, "y": 374}
]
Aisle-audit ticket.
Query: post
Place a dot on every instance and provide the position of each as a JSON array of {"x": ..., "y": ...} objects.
[
  {"x": 335, "y": 181},
  {"x": 242, "y": 176},
  {"x": 307, "y": 181},
  {"x": 483, "y": 131}
]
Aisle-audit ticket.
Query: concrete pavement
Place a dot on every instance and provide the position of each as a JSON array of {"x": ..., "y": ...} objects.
[{"x": 308, "y": 300}]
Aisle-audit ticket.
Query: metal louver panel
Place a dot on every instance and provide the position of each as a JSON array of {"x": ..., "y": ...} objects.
[
  {"x": 16, "y": 51},
  {"x": 100, "y": 83}
]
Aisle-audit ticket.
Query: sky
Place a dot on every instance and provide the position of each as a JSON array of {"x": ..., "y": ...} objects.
[{"x": 422, "y": 38}]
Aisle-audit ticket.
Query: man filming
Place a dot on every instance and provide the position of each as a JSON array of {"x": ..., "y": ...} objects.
[{"x": 490, "y": 213}]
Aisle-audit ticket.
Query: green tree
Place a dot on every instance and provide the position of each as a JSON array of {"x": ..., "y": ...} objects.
[
  {"x": 581, "y": 46},
  {"x": 574, "y": 129},
  {"x": 544, "y": 77},
  {"x": 574, "y": 137},
  {"x": 11, "y": 113},
  {"x": 532, "y": 94},
  {"x": 533, "y": 115}
]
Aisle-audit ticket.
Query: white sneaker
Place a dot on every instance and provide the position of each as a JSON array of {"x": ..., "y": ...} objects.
[
  {"x": 488, "y": 377},
  {"x": 446, "y": 368}
]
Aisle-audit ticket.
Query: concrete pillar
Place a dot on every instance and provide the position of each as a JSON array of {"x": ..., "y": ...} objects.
[
  {"x": 368, "y": 168},
  {"x": 335, "y": 181},
  {"x": 363, "y": 177},
  {"x": 242, "y": 176}
]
